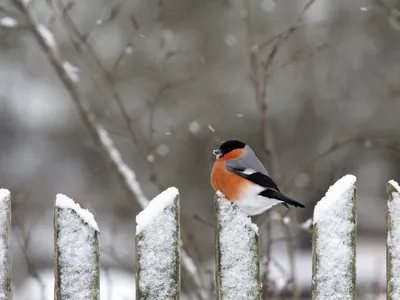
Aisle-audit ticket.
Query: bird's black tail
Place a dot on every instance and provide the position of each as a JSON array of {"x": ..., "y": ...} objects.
[{"x": 286, "y": 201}]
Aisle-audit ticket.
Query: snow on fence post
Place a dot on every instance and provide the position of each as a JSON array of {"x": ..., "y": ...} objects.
[
  {"x": 237, "y": 253},
  {"x": 158, "y": 273},
  {"x": 76, "y": 252},
  {"x": 334, "y": 242},
  {"x": 5, "y": 255},
  {"x": 393, "y": 241}
]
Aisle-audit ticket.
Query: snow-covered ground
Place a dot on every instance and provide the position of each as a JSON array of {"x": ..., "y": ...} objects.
[{"x": 115, "y": 284}]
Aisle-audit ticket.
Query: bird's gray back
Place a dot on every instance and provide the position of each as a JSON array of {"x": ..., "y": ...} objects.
[{"x": 248, "y": 160}]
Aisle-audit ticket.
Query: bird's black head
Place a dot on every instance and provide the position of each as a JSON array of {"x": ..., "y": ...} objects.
[{"x": 227, "y": 147}]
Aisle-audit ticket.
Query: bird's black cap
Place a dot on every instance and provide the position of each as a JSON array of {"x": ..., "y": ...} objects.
[{"x": 229, "y": 146}]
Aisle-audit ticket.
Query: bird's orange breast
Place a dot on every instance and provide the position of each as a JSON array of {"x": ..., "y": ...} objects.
[{"x": 231, "y": 185}]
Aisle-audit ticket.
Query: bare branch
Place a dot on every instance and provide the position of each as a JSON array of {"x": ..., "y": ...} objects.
[
  {"x": 301, "y": 55},
  {"x": 252, "y": 50}
]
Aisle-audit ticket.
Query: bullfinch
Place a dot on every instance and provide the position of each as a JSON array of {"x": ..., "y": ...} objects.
[{"x": 241, "y": 177}]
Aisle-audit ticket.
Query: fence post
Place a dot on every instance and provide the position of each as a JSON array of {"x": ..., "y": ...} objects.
[
  {"x": 158, "y": 274},
  {"x": 334, "y": 242},
  {"x": 393, "y": 241},
  {"x": 237, "y": 253},
  {"x": 76, "y": 252},
  {"x": 5, "y": 255}
]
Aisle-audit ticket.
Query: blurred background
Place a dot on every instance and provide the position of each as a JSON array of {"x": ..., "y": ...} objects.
[{"x": 312, "y": 86}]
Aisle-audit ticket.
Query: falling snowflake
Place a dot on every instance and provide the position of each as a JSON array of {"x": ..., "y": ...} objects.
[
  {"x": 368, "y": 144},
  {"x": 268, "y": 5},
  {"x": 8, "y": 22},
  {"x": 150, "y": 158},
  {"x": 128, "y": 50},
  {"x": 302, "y": 180},
  {"x": 244, "y": 13},
  {"x": 194, "y": 127},
  {"x": 162, "y": 150},
  {"x": 230, "y": 40}
]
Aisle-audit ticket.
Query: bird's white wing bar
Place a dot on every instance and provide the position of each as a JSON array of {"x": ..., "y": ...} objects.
[{"x": 247, "y": 171}]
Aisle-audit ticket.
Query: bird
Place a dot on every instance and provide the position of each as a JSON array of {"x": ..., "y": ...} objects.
[{"x": 241, "y": 177}]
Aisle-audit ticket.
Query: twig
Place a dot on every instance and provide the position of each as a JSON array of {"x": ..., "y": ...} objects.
[
  {"x": 290, "y": 251},
  {"x": 272, "y": 39},
  {"x": 268, "y": 247},
  {"x": 298, "y": 55},
  {"x": 23, "y": 244},
  {"x": 201, "y": 220}
]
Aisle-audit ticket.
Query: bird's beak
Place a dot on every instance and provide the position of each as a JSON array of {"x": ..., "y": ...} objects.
[{"x": 217, "y": 153}]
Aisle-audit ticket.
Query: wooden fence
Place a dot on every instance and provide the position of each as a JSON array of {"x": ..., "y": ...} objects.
[{"x": 77, "y": 254}]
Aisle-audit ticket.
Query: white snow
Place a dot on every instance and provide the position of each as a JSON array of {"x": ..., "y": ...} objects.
[
  {"x": 236, "y": 238},
  {"x": 72, "y": 71},
  {"x": 155, "y": 208},
  {"x": 115, "y": 284},
  {"x": 332, "y": 215},
  {"x": 63, "y": 201},
  {"x": 307, "y": 224},
  {"x": 4, "y": 195},
  {"x": 393, "y": 238},
  {"x": 123, "y": 169},
  {"x": 395, "y": 185},
  {"x": 4, "y": 211},
  {"x": 76, "y": 248},
  {"x": 47, "y": 36},
  {"x": 76, "y": 244},
  {"x": 8, "y": 22},
  {"x": 157, "y": 227}
]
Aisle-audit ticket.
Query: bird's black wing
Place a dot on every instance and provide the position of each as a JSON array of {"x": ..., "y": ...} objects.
[
  {"x": 271, "y": 189},
  {"x": 254, "y": 176}
]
